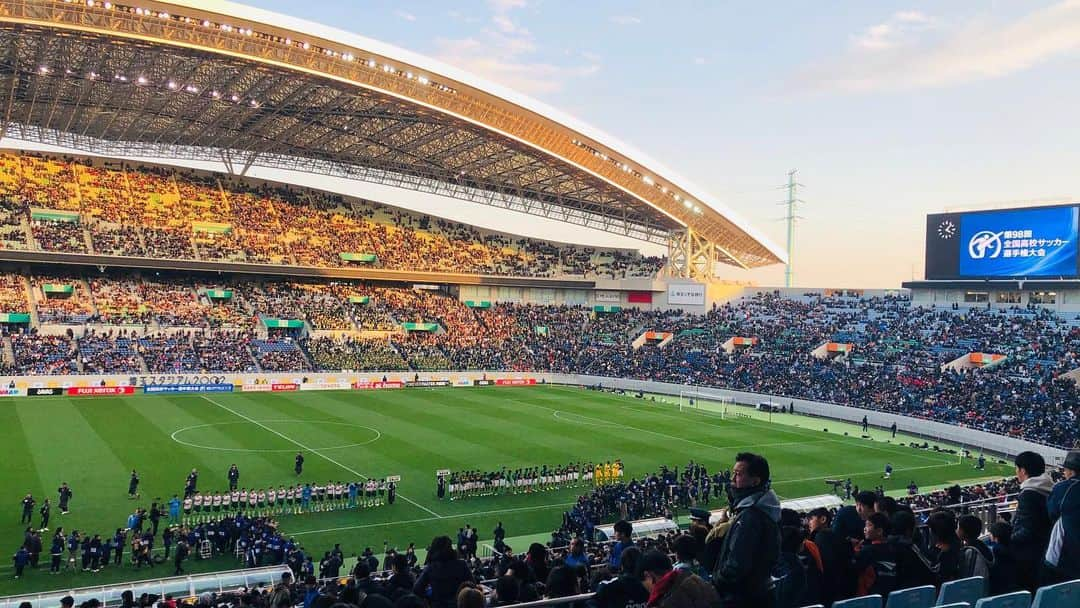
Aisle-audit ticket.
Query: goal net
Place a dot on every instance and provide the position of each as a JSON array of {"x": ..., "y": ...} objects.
[{"x": 706, "y": 401}]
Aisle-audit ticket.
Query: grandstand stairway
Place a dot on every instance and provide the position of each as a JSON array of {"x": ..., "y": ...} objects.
[
  {"x": 8, "y": 352},
  {"x": 86, "y": 237},
  {"x": 30, "y": 305},
  {"x": 24, "y": 222}
]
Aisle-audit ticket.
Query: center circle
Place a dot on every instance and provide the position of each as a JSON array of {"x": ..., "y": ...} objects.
[{"x": 177, "y": 433}]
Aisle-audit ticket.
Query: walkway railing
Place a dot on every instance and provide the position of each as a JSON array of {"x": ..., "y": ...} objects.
[{"x": 178, "y": 587}]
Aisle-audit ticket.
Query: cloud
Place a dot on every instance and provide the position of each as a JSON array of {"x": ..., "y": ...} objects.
[
  {"x": 624, "y": 19},
  {"x": 902, "y": 28},
  {"x": 699, "y": 61},
  {"x": 507, "y": 52},
  {"x": 405, "y": 15},
  {"x": 911, "y": 50}
]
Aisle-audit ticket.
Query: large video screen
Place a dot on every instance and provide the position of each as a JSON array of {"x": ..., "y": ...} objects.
[{"x": 1012, "y": 243}]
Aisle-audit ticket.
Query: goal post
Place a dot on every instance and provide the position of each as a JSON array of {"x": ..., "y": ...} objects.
[{"x": 706, "y": 401}]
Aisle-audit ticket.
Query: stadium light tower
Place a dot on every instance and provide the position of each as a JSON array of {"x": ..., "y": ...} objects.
[{"x": 791, "y": 218}]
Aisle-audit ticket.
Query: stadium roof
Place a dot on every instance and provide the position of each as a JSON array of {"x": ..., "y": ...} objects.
[{"x": 208, "y": 80}]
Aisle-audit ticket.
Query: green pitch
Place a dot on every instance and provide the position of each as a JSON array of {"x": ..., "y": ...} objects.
[{"x": 94, "y": 443}]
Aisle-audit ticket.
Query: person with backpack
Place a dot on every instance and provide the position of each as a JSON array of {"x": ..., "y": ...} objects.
[{"x": 976, "y": 559}]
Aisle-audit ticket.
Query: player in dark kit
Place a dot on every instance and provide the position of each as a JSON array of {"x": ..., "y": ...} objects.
[
  {"x": 27, "y": 509},
  {"x": 45, "y": 511},
  {"x": 133, "y": 485},
  {"x": 190, "y": 487},
  {"x": 65, "y": 495},
  {"x": 299, "y": 463},
  {"x": 234, "y": 478}
]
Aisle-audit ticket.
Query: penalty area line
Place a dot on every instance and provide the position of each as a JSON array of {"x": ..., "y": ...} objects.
[{"x": 314, "y": 451}]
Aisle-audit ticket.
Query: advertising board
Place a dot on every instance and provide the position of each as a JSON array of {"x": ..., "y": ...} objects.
[
  {"x": 686, "y": 293},
  {"x": 187, "y": 388},
  {"x": 99, "y": 391}
]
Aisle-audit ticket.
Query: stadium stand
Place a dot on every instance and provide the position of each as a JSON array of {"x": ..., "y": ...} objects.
[
  {"x": 898, "y": 363},
  {"x": 117, "y": 209}
]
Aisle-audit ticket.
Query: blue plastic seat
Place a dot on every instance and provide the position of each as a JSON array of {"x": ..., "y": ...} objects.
[
  {"x": 968, "y": 590},
  {"x": 915, "y": 597},
  {"x": 866, "y": 601},
  {"x": 955, "y": 605},
  {"x": 1061, "y": 595},
  {"x": 1019, "y": 599}
]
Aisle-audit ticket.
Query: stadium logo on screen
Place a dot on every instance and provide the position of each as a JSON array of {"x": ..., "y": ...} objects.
[{"x": 985, "y": 244}]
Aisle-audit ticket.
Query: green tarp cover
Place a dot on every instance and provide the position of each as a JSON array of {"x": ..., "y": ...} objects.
[
  {"x": 289, "y": 323},
  {"x": 57, "y": 288},
  {"x": 367, "y": 258}
]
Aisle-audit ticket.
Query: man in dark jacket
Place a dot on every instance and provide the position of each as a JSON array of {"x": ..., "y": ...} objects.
[
  {"x": 674, "y": 587},
  {"x": 1031, "y": 522},
  {"x": 1063, "y": 507},
  {"x": 752, "y": 543}
]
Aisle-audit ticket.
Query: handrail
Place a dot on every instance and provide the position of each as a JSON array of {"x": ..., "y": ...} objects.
[
  {"x": 177, "y": 586},
  {"x": 557, "y": 601},
  {"x": 993, "y": 500}
]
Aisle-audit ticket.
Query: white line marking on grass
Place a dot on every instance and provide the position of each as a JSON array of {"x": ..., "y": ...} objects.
[
  {"x": 424, "y": 519},
  {"x": 313, "y": 451},
  {"x": 788, "y": 429},
  {"x": 845, "y": 475},
  {"x": 559, "y": 415},
  {"x": 173, "y": 436}
]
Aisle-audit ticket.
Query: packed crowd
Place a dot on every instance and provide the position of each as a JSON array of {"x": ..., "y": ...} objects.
[
  {"x": 897, "y": 360},
  {"x": 165, "y": 213},
  {"x": 757, "y": 555}
]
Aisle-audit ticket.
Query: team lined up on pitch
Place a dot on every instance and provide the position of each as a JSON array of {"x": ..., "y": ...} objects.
[{"x": 470, "y": 484}]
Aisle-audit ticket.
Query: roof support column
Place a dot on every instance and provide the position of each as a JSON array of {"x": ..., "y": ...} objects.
[{"x": 690, "y": 256}]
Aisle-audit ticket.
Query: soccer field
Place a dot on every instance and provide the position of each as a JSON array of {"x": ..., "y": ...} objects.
[{"x": 94, "y": 443}]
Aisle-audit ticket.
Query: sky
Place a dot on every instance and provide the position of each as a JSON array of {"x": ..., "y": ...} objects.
[{"x": 888, "y": 110}]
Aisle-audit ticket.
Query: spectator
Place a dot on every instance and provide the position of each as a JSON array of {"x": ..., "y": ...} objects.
[
  {"x": 561, "y": 582},
  {"x": 752, "y": 543},
  {"x": 875, "y": 563},
  {"x": 1063, "y": 507},
  {"x": 442, "y": 575},
  {"x": 1031, "y": 522},
  {"x": 976, "y": 559},
  {"x": 1003, "y": 571},
  {"x": 623, "y": 539},
  {"x": 470, "y": 597},
  {"x": 674, "y": 588},
  {"x": 626, "y": 590},
  {"x": 945, "y": 553},
  {"x": 836, "y": 555},
  {"x": 912, "y": 565}
]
